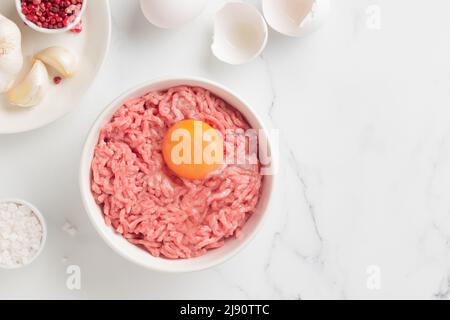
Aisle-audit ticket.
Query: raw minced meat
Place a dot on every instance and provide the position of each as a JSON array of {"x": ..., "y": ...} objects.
[{"x": 144, "y": 201}]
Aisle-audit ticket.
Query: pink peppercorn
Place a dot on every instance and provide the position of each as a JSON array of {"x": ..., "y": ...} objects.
[
  {"x": 57, "y": 80},
  {"x": 78, "y": 27},
  {"x": 51, "y": 14}
]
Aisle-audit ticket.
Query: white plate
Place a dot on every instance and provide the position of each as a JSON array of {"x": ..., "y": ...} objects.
[{"x": 91, "y": 46}]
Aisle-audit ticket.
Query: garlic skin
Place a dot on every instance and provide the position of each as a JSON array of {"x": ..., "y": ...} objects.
[
  {"x": 60, "y": 59},
  {"x": 32, "y": 89},
  {"x": 11, "y": 58}
]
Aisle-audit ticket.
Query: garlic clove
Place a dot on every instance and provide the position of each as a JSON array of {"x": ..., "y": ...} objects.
[
  {"x": 11, "y": 58},
  {"x": 60, "y": 59},
  {"x": 32, "y": 89},
  {"x": 6, "y": 81}
]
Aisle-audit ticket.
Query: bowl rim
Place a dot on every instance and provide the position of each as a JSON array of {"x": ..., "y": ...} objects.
[
  {"x": 86, "y": 165},
  {"x": 50, "y": 31},
  {"x": 43, "y": 223}
]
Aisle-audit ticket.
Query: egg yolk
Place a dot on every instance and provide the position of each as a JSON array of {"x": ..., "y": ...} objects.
[{"x": 192, "y": 149}]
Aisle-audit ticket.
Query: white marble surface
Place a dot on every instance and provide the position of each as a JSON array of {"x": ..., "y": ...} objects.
[{"x": 365, "y": 120}]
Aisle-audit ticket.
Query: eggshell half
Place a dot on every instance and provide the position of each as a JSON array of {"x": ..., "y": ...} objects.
[
  {"x": 240, "y": 33},
  {"x": 296, "y": 18}
]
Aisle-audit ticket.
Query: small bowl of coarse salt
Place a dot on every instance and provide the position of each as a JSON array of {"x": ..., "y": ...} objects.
[{"x": 23, "y": 233}]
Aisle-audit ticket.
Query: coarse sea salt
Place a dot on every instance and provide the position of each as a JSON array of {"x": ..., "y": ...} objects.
[{"x": 21, "y": 234}]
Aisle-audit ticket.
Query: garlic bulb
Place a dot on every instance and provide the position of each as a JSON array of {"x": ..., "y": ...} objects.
[
  {"x": 11, "y": 59},
  {"x": 60, "y": 59},
  {"x": 32, "y": 89}
]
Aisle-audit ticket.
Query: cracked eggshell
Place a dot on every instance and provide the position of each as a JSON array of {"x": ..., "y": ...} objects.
[
  {"x": 296, "y": 18},
  {"x": 240, "y": 33},
  {"x": 169, "y": 14}
]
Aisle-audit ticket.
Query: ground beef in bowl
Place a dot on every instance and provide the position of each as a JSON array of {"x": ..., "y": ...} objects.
[{"x": 145, "y": 202}]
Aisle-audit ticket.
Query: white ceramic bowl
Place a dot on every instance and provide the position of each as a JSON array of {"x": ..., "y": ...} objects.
[
  {"x": 41, "y": 219},
  {"x": 50, "y": 31},
  {"x": 136, "y": 254}
]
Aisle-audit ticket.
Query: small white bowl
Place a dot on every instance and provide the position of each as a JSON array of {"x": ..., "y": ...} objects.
[
  {"x": 240, "y": 33},
  {"x": 50, "y": 31},
  {"x": 41, "y": 219},
  {"x": 134, "y": 253}
]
